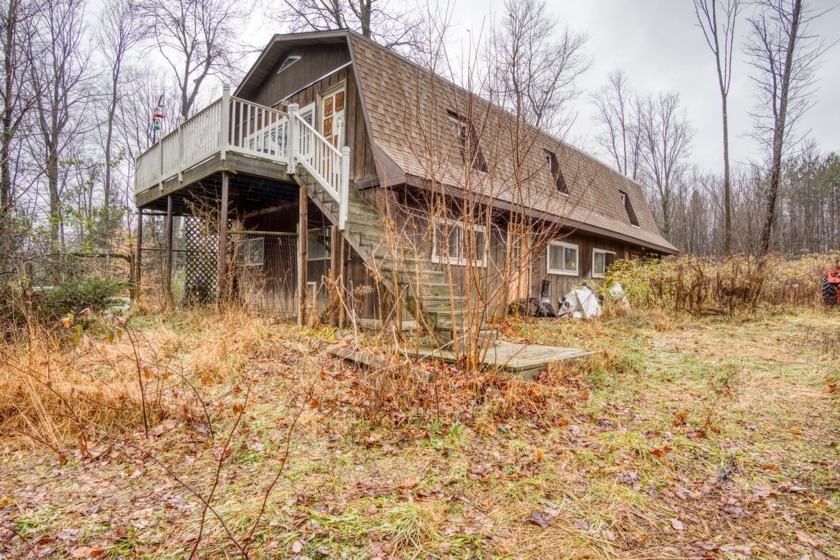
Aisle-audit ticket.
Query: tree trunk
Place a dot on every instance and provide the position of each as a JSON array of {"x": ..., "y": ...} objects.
[{"x": 779, "y": 133}]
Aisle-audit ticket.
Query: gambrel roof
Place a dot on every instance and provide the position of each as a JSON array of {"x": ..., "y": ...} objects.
[{"x": 409, "y": 114}]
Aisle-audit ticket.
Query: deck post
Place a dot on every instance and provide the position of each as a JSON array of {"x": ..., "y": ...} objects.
[
  {"x": 138, "y": 257},
  {"x": 224, "y": 129},
  {"x": 342, "y": 276},
  {"x": 292, "y": 137},
  {"x": 167, "y": 256},
  {"x": 303, "y": 247},
  {"x": 335, "y": 275},
  {"x": 345, "y": 187},
  {"x": 221, "y": 272}
]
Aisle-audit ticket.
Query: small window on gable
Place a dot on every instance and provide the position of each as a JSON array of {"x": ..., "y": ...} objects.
[
  {"x": 628, "y": 207},
  {"x": 556, "y": 172},
  {"x": 468, "y": 142},
  {"x": 288, "y": 62}
]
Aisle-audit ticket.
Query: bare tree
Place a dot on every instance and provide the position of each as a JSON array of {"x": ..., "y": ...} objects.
[
  {"x": 666, "y": 138},
  {"x": 59, "y": 73},
  {"x": 16, "y": 91},
  {"x": 395, "y": 28},
  {"x": 534, "y": 64},
  {"x": 616, "y": 107},
  {"x": 198, "y": 39},
  {"x": 119, "y": 33},
  {"x": 717, "y": 19},
  {"x": 783, "y": 52}
]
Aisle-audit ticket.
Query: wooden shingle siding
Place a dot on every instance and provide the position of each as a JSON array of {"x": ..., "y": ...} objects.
[{"x": 316, "y": 62}]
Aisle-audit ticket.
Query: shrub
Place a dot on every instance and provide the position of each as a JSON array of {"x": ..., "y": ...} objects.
[
  {"x": 703, "y": 284},
  {"x": 75, "y": 294}
]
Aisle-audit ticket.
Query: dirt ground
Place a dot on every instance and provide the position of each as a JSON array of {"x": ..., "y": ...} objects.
[{"x": 682, "y": 437}]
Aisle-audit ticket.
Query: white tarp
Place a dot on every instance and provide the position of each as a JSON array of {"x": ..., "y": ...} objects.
[{"x": 582, "y": 303}]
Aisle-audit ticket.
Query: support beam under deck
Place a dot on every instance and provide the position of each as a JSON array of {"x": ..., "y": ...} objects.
[
  {"x": 221, "y": 272},
  {"x": 303, "y": 247}
]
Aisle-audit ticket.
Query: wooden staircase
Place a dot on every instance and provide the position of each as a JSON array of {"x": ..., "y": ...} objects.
[{"x": 417, "y": 284}]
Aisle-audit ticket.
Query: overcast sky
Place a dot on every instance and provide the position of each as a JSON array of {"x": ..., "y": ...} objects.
[{"x": 659, "y": 46}]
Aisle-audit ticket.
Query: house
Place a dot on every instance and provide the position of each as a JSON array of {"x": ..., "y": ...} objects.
[{"x": 357, "y": 183}]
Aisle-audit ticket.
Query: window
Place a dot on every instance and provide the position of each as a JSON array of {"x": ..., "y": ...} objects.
[
  {"x": 628, "y": 207},
  {"x": 318, "y": 244},
  {"x": 468, "y": 142},
  {"x": 288, "y": 62},
  {"x": 251, "y": 252},
  {"x": 601, "y": 261},
  {"x": 556, "y": 172},
  {"x": 452, "y": 242},
  {"x": 562, "y": 258}
]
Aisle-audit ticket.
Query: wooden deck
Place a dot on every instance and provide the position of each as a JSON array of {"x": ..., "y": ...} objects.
[{"x": 524, "y": 360}]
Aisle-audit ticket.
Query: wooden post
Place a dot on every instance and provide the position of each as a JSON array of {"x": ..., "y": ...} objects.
[
  {"x": 221, "y": 274},
  {"x": 224, "y": 129},
  {"x": 138, "y": 258},
  {"x": 292, "y": 138},
  {"x": 167, "y": 256},
  {"x": 342, "y": 257},
  {"x": 303, "y": 247},
  {"x": 335, "y": 274}
]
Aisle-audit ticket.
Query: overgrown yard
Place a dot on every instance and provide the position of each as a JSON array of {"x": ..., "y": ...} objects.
[{"x": 681, "y": 437}]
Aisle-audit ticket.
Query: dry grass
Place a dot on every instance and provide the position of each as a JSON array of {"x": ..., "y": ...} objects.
[
  {"x": 681, "y": 437},
  {"x": 701, "y": 285}
]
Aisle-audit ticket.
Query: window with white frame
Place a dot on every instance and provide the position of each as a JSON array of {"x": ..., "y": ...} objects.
[
  {"x": 562, "y": 258},
  {"x": 601, "y": 261},
  {"x": 318, "y": 244},
  {"x": 251, "y": 252},
  {"x": 453, "y": 242}
]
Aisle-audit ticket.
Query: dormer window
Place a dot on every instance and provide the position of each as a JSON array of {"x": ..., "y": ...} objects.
[
  {"x": 628, "y": 207},
  {"x": 288, "y": 62},
  {"x": 468, "y": 142},
  {"x": 556, "y": 172}
]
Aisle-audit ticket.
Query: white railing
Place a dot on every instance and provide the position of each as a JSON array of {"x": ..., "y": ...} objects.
[
  {"x": 258, "y": 131},
  {"x": 236, "y": 125}
]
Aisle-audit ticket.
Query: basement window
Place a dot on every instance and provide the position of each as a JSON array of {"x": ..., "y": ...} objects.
[
  {"x": 628, "y": 207},
  {"x": 452, "y": 242},
  {"x": 288, "y": 62},
  {"x": 562, "y": 258},
  {"x": 251, "y": 252},
  {"x": 468, "y": 141},
  {"x": 601, "y": 261},
  {"x": 318, "y": 244},
  {"x": 556, "y": 172}
]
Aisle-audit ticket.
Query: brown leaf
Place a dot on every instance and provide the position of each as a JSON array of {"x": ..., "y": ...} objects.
[
  {"x": 411, "y": 482},
  {"x": 806, "y": 538},
  {"x": 581, "y": 524},
  {"x": 537, "y": 518}
]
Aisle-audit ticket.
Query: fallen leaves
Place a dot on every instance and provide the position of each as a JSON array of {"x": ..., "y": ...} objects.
[{"x": 538, "y": 518}]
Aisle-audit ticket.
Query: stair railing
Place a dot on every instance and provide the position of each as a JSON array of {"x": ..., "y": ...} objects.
[{"x": 323, "y": 161}]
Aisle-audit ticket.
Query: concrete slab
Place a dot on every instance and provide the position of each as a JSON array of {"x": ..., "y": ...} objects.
[{"x": 524, "y": 360}]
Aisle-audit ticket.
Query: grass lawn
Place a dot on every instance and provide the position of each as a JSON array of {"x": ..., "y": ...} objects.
[{"x": 680, "y": 438}]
